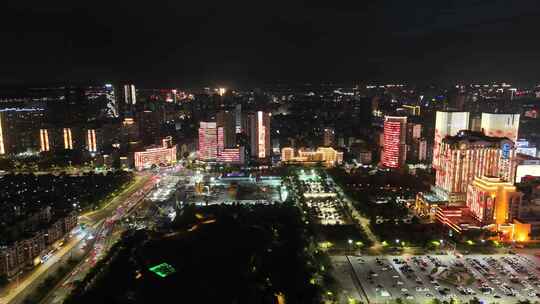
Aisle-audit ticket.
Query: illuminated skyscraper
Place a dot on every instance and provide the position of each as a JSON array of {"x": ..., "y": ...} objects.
[
  {"x": 447, "y": 124},
  {"x": 329, "y": 137},
  {"x": 208, "y": 141},
  {"x": 259, "y": 134},
  {"x": 44, "y": 145},
  {"x": 501, "y": 125},
  {"x": 130, "y": 95},
  {"x": 493, "y": 201},
  {"x": 68, "y": 139},
  {"x": 394, "y": 150},
  {"x": 469, "y": 155},
  {"x": 238, "y": 118},
  {"x": 91, "y": 141}
]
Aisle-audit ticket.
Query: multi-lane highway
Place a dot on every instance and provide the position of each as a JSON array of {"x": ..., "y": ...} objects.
[
  {"x": 100, "y": 242},
  {"x": 86, "y": 242}
]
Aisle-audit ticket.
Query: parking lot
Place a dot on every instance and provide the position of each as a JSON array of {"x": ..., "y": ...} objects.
[{"x": 418, "y": 279}]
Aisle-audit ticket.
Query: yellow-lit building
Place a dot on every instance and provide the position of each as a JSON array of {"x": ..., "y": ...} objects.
[
  {"x": 495, "y": 202},
  {"x": 328, "y": 156}
]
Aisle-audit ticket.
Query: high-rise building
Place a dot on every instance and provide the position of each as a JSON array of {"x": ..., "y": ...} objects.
[
  {"x": 394, "y": 152},
  {"x": 447, "y": 124},
  {"x": 259, "y": 134},
  {"x": 68, "y": 138},
  {"x": 91, "y": 141},
  {"x": 130, "y": 94},
  {"x": 208, "y": 141},
  {"x": 227, "y": 123},
  {"x": 329, "y": 137},
  {"x": 238, "y": 118},
  {"x": 493, "y": 201},
  {"x": 501, "y": 125},
  {"x": 468, "y": 155},
  {"x": 44, "y": 144},
  {"x": 19, "y": 130},
  {"x": 148, "y": 123}
]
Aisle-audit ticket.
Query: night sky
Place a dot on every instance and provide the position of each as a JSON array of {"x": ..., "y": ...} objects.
[{"x": 254, "y": 42}]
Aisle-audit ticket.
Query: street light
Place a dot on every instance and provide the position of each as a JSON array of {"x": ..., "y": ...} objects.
[{"x": 350, "y": 243}]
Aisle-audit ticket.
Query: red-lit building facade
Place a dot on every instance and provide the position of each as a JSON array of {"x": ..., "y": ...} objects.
[
  {"x": 394, "y": 152},
  {"x": 470, "y": 154}
]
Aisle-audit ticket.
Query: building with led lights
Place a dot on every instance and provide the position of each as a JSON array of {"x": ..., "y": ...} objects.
[
  {"x": 328, "y": 156},
  {"x": 67, "y": 135},
  {"x": 394, "y": 151},
  {"x": 501, "y": 125},
  {"x": 91, "y": 141},
  {"x": 156, "y": 155},
  {"x": 493, "y": 201},
  {"x": 259, "y": 134},
  {"x": 232, "y": 156},
  {"x": 468, "y": 155},
  {"x": 447, "y": 124},
  {"x": 208, "y": 141},
  {"x": 496, "y": 204},
  {"x": 44, "y": 143}
]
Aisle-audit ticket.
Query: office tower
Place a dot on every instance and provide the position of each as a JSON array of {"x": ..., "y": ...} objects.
[
  {"x": 19, "y": 130},
  {"x": 414, "y": 131},
  {"x": 68, "y": 138},
  {"x": 238, "y": 118},
  {"x": 422, "y": 149},
  {"x": 149, "y": 127},
  {"x": 447, "y": 124},
  {"x": 91, "y": 141},
  {"x": 259, "y": 134},
  {"x": 208, "y": 141},
  {"x": 501, "y": 125},
  {"x": 130, "y": 95},
  {"x": 329, "y": 137},
  {"x": 468, "y": 155},
  {"x": 227, "y": 123},
  {"x": 394, "y": 146},
  {"x": 112, "y": 102},
  {"x": 493, "y": 201},
  {"x": 44, "y": 145},
  {"x": 476, "y": 123}
]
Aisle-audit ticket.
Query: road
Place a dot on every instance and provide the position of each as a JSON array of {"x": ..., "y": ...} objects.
[
  {"x": 18, "y": 290},
  {"x": 109, "y": 232}
]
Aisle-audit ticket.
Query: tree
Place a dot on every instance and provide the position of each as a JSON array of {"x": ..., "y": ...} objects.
[{"x": 3, "y": 280}]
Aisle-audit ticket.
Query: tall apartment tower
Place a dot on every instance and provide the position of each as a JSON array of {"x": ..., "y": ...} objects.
[
  {"x": 226, "y": 121},
  {"x": 447, "y": 124},
  {"x": 208, "y": 141},
  {"x": 394, "y": 152},
  {"x": 259, "y": 134},
  {"x": 500, "y": 125}
]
